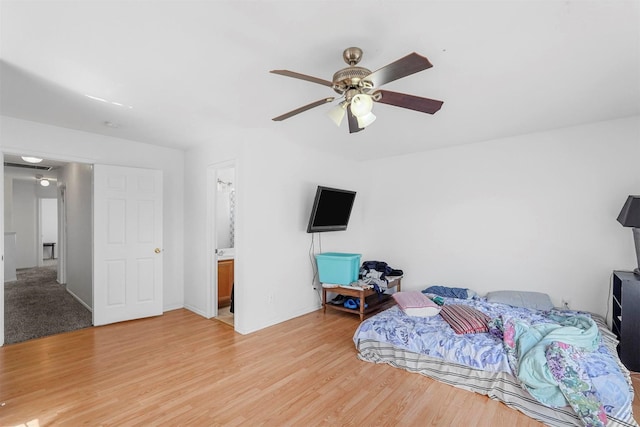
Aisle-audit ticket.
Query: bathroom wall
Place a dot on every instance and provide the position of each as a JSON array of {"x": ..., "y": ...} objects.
[{"x": 225, "y": 208}]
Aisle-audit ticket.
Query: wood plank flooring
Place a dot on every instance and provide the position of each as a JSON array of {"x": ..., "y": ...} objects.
[{"x": 182, "y": 369}]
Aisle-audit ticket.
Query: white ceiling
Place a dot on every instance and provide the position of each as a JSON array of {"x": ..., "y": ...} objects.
[{"x": 190, "y": 68}]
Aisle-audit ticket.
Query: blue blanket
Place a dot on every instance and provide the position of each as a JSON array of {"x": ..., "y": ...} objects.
[{"x": 446, "y": 291}]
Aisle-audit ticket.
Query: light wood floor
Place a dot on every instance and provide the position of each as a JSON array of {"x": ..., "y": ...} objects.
[
  {"x": 225, "y": 315},
  {"x": 181, "y": 369}
]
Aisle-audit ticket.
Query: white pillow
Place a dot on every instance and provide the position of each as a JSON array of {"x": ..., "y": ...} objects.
[{"x": 534, "y": 300}]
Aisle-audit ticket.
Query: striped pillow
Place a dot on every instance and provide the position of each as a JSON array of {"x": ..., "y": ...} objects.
[{"x": 464, "y": 319}]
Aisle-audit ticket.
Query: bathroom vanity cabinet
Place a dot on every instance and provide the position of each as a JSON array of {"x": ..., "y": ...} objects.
[{"x": 225, "y": 282}]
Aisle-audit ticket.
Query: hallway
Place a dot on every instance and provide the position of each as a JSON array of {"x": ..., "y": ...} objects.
[{"x": 37, "y": 306}]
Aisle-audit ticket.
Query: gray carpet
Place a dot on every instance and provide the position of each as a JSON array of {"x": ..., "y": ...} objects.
[{"x": 36, "y": 306}]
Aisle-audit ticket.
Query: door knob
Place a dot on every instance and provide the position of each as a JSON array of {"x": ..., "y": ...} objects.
[{"x": 157, "y": 250}]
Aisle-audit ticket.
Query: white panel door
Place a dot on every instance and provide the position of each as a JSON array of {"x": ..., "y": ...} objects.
[{"x": 127, "y": 272}]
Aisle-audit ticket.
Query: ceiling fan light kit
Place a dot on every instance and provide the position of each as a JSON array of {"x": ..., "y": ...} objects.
[
  {"x": 358, "y": 88},
  {"x": 338, "y": 112},
  {"x": 361, "y": 106}
]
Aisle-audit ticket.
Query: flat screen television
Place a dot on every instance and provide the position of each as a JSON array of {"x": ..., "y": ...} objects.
[{"x": 331, "y": 210}]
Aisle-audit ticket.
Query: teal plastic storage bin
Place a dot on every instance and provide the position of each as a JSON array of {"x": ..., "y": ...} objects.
[{"x": 338, "y": 268}]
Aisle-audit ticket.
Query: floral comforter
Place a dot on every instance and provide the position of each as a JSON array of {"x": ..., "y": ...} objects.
[
  {"x": 546, "y": 360},
  {"x": 432, "y": 336}
]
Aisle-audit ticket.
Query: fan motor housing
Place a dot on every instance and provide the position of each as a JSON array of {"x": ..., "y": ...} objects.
[{"x": 349, "y": 78}]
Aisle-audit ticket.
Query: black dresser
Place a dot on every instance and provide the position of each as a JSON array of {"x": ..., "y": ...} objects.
[{"x": 626, "y": 317}]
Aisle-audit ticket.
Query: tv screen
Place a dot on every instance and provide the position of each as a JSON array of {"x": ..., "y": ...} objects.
[{"x": 331, "y": 210}]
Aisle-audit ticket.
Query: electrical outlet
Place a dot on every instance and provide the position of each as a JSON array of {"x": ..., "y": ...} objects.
[{"x": 270, "y": 298}]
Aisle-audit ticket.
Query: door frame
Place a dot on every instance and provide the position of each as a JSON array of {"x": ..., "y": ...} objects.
[
  {"x": 2, "y": 249},
  {"x": 212, "y": 233},
  {"x": 39, "y": 248},
  {"x": 62, "y": 236}
]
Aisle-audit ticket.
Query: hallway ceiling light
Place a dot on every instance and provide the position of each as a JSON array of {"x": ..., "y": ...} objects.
[
  {"x": 43, "y": 181},
  {"x": 31, "y": 159}
]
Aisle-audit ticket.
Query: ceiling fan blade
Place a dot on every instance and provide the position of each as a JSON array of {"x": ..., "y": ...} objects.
[
  {"x": 295, "y": 75},
  {"x": 303, "y": 109},
  {"x": 403, "y": 67},
  {"x": 353, "y": 121},
  {"x": 424, "y": 105}
]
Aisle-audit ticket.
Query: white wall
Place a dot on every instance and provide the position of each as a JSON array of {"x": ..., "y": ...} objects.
[
  {"x": 46, "y": 192},
  {"x": 535, "y": 212},
  {"x": 49, "y": 220},
  {"x": 78, "y": 179},
  {"x": 276, "y": 184},
  {"x": 223, "y": 207},
  {"x": 24, "y": 223},
  {"x": 22, "y": 195},
  {"x": 198, "y": 258},
  {"x": 8, "y": 203},
  {"x": 21, "y": 136}
]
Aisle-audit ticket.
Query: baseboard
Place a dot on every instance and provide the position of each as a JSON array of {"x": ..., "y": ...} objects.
[
  {"x": 79, "y": 300},
  {"x": 279, "y": 319},
  {"x": 172, "y": 307},
  {"x": 164, "y": 309},
  {"x": 196, "y": 310},
  {"x": 273, "y": 321}
]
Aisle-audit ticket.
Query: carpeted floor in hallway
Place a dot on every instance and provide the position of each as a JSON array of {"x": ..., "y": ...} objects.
[{"x": 37, "y": 306}]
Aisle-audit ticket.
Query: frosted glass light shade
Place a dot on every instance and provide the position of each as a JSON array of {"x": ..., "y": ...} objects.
[
  {"x": 366, "y": 120},
  {"x": 361, "y": 105},
  {"x": 337, "y": 113}
]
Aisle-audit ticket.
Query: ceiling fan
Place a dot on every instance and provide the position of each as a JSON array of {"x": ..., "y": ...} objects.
[{"x": 359, "y": 88}]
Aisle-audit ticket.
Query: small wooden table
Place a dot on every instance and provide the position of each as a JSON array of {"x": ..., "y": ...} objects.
[{"x": 370, "y": 300}]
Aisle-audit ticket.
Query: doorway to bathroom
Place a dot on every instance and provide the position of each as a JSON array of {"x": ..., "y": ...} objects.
[{"x": 223, "y": 259}]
